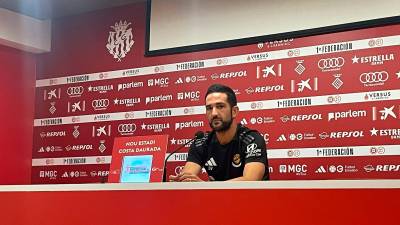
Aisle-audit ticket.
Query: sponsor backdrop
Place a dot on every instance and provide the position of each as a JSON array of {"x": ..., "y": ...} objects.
[{"x": 328, "y": 106}]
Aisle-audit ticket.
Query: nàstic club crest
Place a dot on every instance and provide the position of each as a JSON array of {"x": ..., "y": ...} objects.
[{"x": 120, "y": 40}]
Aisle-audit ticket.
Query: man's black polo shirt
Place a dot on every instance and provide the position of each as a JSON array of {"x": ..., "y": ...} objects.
[{"x": 224, "y": 162}]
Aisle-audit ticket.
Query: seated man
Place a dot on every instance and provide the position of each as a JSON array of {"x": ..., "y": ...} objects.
[{"x": 231, "y": 151}]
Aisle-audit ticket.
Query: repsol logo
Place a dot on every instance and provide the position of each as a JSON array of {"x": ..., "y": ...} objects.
[
  {"x": 306, "y": 117},
  {"x": 228, "y": 75},
  {"x": 53, "y": 134},
  {"x": 342, "y": 134},
  {"x": 79, "y": 147}
]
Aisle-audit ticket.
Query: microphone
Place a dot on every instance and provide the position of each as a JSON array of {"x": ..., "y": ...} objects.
[{"x": 197, "y": 135}]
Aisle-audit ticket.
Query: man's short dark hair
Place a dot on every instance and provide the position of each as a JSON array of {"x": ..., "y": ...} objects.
[{"x": 223, "y": 89}]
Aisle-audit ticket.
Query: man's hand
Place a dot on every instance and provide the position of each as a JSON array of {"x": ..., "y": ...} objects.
[
  {"x": 188, "y": 173},
  {"x": 184, "y": 177}
]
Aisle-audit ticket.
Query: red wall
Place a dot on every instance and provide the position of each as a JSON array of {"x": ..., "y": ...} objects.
[
  {"x": 304, "y": 147},
  {"x": 17, "y": 85}
]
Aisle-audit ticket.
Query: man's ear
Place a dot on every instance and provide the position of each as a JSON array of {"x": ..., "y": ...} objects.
[{"x": 235, "y": 111}]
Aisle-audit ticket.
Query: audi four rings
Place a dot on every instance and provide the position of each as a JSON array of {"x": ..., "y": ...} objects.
[
  {"x": 100, "y": 103},
  {"x": 374, "y": 77},
  {"x": 330, "y": 63}
]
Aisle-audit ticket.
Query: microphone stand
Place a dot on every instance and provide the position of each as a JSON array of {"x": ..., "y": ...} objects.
[{"x": 199, "y": 134}]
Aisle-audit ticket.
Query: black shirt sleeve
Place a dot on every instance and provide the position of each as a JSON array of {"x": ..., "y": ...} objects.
[
  {"x": 255, "y": 150},
  {"x": 197, "y": 152}
]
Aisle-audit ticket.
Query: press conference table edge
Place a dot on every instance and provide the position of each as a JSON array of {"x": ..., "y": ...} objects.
[{"x": 293, "y": 184}]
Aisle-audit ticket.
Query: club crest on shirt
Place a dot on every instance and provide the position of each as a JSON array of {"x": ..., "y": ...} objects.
[{"x": 236, "y": 161}]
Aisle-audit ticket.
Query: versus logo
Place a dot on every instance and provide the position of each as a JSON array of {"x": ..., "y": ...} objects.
[
  {"x": 257, "y": 56},
  {"x": 278, "y": 43},
  {"x": 377, "y": 96},
  {"x": 101, "y": 117},
  {"x": 130, "y": 72}
]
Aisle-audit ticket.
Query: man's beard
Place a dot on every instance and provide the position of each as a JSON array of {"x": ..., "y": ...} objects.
[{"x": 223, "y": 127}]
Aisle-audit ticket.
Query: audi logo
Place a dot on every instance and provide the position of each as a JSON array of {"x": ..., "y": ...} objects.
[
  {"x": 100, "y": 103},
  {"x": 330, "y": 63},
  {"x": 78, "y": 90},
  {"x": 374, "y": 77},
  {"x": 127, "y": 128}
]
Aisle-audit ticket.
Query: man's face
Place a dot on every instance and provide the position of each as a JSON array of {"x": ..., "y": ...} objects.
[{"x": 218, "y": 111}]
